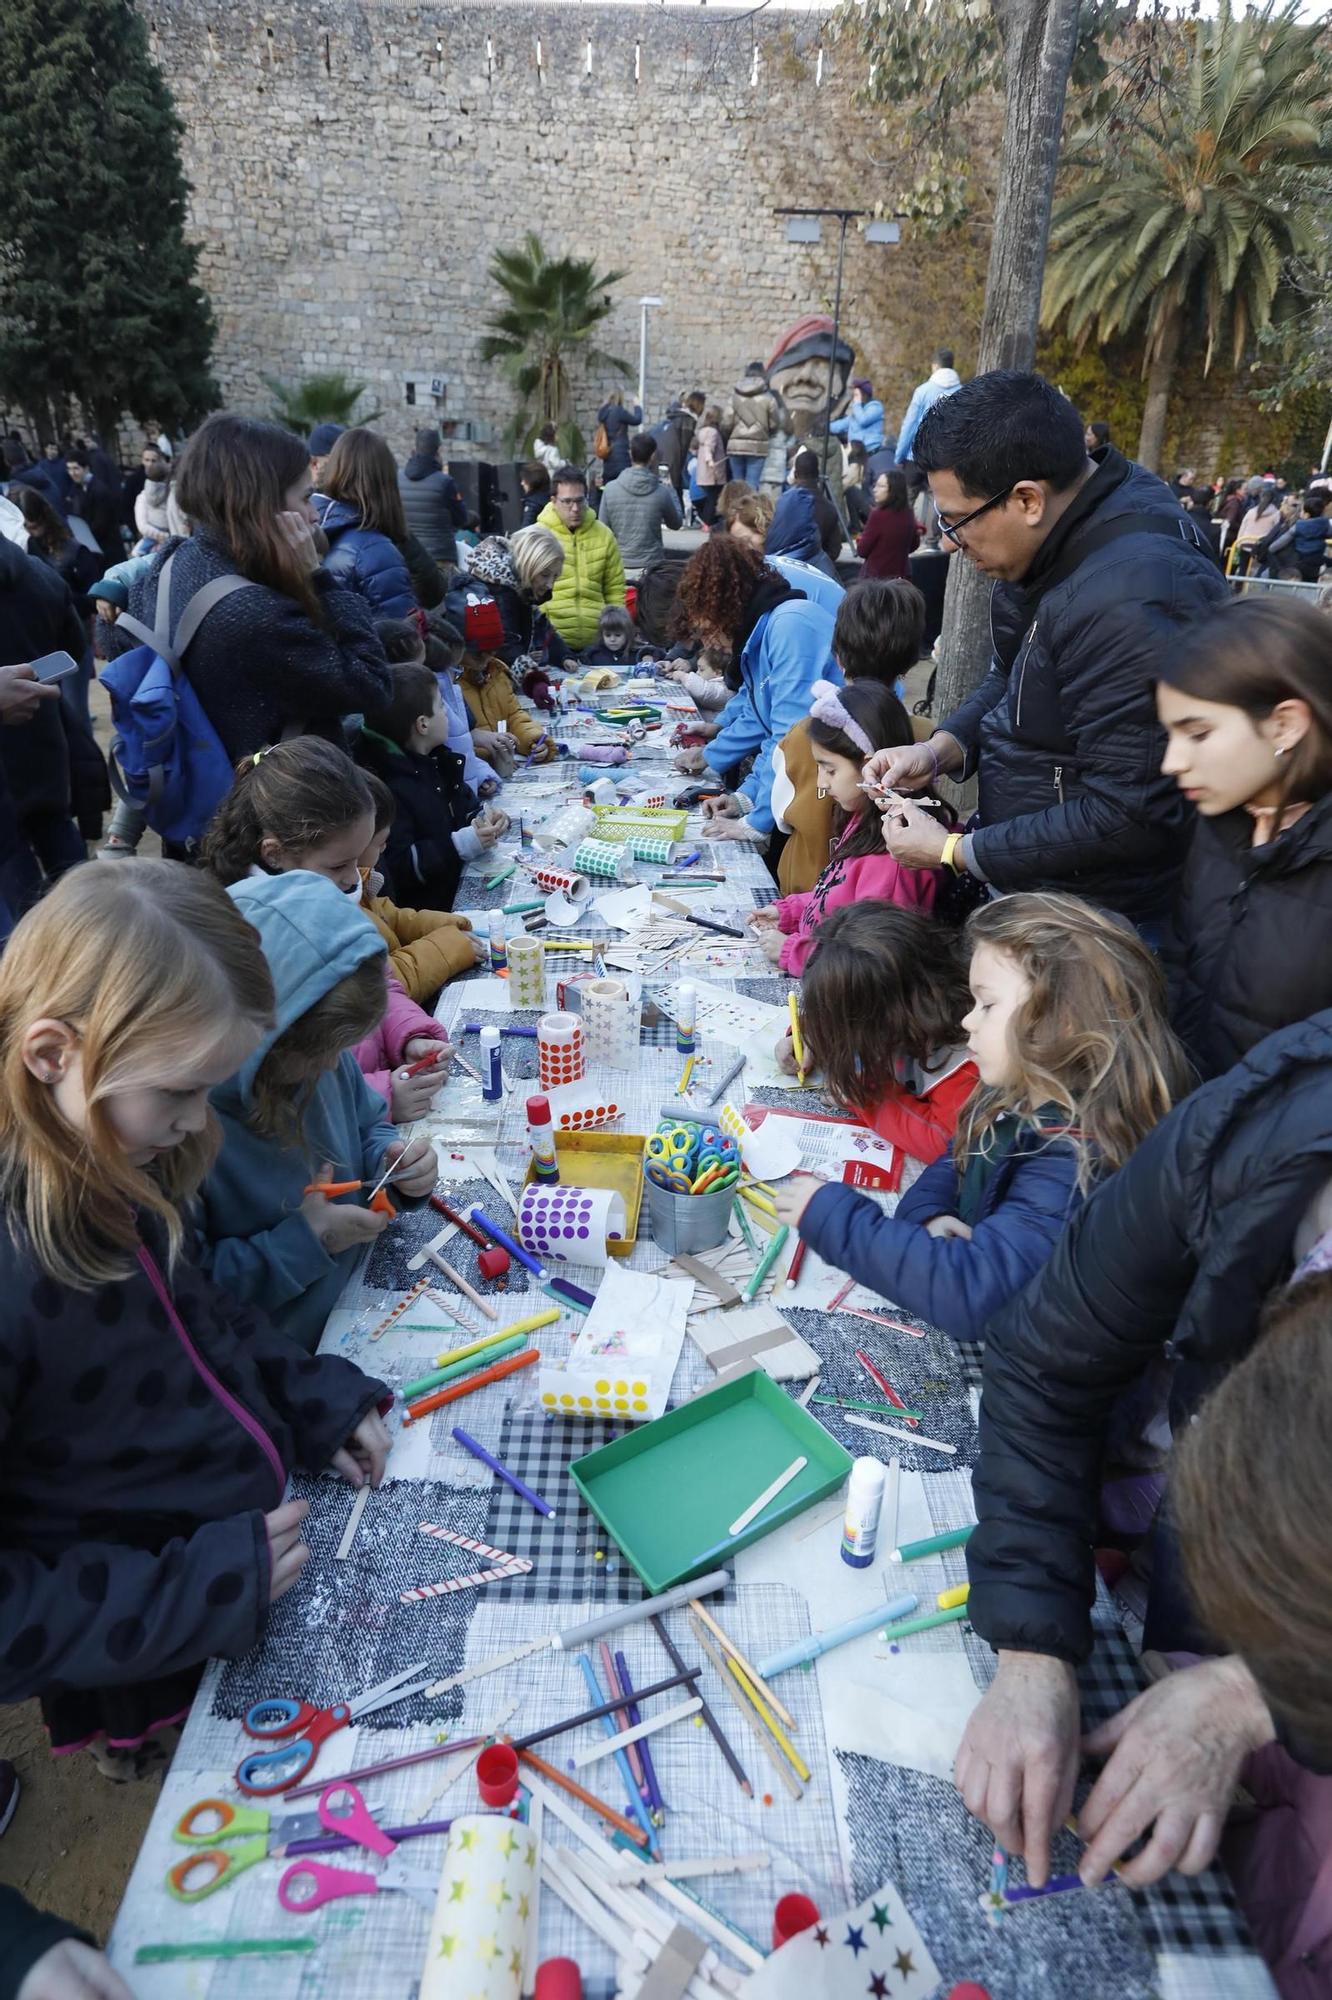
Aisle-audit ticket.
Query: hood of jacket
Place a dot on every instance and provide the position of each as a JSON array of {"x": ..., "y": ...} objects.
[
  {"x": 771, "y": 590},
  {"x": 492, "y": 562},
  {"x": 420, "y": 466},
  {"x": 641, "y": 480},
  {"x": 312, "y": 937},
  {"x": 794, "y": 530},
  {"x": 335, "y": 515},
  {"x": 1117, "y": 489},
  {"x": 750, "y": 389},
  {"x": 945, "y": 378}
]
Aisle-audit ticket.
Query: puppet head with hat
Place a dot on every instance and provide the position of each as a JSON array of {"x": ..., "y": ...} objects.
[{"x": 803, "y": 359}]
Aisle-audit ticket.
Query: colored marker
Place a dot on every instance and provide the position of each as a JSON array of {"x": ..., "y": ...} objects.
[
  {"x": 523, "y": 1491},
  {"x": 933, "y": 1545},
  {"x": 502, "y": 1237}
]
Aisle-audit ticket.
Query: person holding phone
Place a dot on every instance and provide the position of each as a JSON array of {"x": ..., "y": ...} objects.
[{"x": 38, "y": 837}]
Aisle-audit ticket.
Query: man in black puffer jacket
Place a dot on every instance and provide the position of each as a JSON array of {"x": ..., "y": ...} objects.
[
  {"x": 1166, "y": 1267},
  {"x": 1096, "y": 566},
  {"x": 432, "y": 505}
]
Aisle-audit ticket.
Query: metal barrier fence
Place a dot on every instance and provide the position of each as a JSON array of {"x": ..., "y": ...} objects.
[{"x": 1318, "y": 594}]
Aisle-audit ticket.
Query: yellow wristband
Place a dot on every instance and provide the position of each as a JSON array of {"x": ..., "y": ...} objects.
[{"x": 948, "y": 859}]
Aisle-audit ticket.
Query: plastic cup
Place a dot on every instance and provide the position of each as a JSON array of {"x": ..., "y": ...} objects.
[
  {"x": 558, "y": 1979},
  {"x": 497, "y": 1774},
  {"x": 793, "y": 1914}
]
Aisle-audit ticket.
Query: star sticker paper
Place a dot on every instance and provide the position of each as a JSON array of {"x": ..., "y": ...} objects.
[
  {"x": 478, "y": 1932},
  {"x": 878, "y": 1938}
]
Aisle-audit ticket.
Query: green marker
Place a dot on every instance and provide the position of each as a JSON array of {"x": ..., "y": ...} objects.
[
  {"x": 879, "y": 1410},
  {"x": 933, "y": 1545},
  {"x": 565, "y": 1305},
  {"x": 467, "y": 1366},
  {"x": 738, "y": 1211},
  {"x": 164, "y": 1954},
  {"x": 766, "y": 1262},
  {"x": 926, "y": 1623},
  {"x": 521, "y": 909},
  {"x": 493, "y": 881}
]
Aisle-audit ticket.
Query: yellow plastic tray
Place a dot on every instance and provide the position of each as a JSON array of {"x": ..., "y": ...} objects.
[
  {"x": 604, "y": 1160},
  {"x": 622, "y": 822}
]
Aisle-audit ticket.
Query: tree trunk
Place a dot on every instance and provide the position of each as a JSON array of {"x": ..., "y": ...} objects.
[
  {"x": 1160, "y": 376},
  {"x": 1038, "y": 38}
]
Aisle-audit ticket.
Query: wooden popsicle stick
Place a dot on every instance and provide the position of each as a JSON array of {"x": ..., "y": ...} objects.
[{"x": 728, "y": 1644}]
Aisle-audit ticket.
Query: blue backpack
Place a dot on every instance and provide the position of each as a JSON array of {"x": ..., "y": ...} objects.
[{"x": 166, "y": 757}]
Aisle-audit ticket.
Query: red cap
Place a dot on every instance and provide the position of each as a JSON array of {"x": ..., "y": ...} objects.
[
  {"x": 559, "y": 1979},
  {"x": 497, "y": 1774},
  {"x": 968, "y": 1990},
  {"x": 538, "y": 1113}
]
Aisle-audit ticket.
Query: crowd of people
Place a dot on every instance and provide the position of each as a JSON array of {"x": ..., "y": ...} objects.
[{"x": 1096, "y": 1011}]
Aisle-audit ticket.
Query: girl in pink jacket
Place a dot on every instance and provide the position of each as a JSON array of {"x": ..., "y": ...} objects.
[
  {"x": 405, "y": 1034},
  {"x": 847, "y": 725}
]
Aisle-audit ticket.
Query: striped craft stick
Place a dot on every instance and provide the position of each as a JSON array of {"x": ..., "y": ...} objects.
[
  {"x": 408, "y": 1298},
  {"x": 508, "y": 1565}
]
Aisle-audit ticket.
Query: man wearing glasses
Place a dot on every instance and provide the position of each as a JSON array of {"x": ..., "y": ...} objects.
[{"x": 1095, "y": 566}]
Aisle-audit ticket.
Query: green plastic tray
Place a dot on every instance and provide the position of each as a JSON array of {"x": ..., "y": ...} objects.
[{"x": 668, "y": 1491}]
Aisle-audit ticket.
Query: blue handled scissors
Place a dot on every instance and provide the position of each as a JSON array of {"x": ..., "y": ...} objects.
[
  {"x": 675, "y": 1180},
  {"x": 265, "y": 1772}
]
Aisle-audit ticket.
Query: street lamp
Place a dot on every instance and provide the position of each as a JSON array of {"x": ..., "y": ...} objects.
[
  {"x": 805, "y": 225},
  {"x": 643, "y": 307}
]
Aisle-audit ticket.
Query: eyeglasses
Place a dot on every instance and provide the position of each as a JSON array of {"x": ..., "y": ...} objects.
[{"x": 953, "y": 529}]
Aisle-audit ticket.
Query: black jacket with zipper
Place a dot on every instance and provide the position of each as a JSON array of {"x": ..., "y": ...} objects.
[
  {"x": 434, "y": 802},
  {"x": 1063, "y": 730},
  {"x": 1167, "y": 1265},
  {"x": 1254, "y": 924}
]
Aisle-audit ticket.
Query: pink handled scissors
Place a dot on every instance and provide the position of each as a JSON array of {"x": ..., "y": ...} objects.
[
  {"x": 356, "y": 1823},
  {"x": 328, "y": 1884}
]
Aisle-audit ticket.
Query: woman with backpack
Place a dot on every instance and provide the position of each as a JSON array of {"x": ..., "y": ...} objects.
[
  {"x": 614, "y": 423},
  {"x": 359, "y": 508},
  {"x": 288, "y": 650}
]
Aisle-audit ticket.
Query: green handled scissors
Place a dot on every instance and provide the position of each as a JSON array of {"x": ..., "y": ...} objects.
[{"x": 254, "y": 1830}]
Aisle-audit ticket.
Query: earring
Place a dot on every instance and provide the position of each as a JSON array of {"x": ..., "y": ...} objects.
[
  {"x": 1280, "y": 749},
  {"x": 821, "y": 791}
]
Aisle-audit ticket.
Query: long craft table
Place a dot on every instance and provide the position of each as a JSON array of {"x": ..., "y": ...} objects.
[{"x": 876, "y": 1727}]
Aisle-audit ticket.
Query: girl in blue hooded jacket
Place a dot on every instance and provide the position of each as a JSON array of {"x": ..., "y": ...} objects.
[
  {"x": 359, "y": 508},
  {"x": 299, "y": 1113},
  {"x": 1076, "y": 1063}
]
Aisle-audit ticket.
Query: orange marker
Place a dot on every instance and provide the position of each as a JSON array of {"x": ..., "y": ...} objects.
[{"x": 509, "y": 1366}]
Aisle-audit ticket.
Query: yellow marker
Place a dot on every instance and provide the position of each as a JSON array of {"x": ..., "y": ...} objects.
[
  {"x": 685, "y": 1074},
  {"x": 501, "y": 1333},
  {"x": 759, "y": 1200},
  {"x": 948, "y": 1600},
  {"x": 797, "y": 1045}
]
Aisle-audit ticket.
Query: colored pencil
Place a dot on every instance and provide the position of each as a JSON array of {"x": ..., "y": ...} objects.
[
  {"x": 882, "y": 1383},
  {"x": 729, "y": 1645},
  {"x": 510, "y": 1364},
  {"x": 707, "y": 924},
  {"x": 784, "y": 1772},
  {"x": 606, "y": 1718},
  {"x": 580, "y": 1792},
  {"x": 622, "y": 1716},
  {"x": 595, "y": 1714},
  {"x": 745, "y": 1230},
  {"x": 635, "y": 1715},
  {"x": 710, "y": 1721},
  {"x": 870, "y": 1409},
  {"x": 770, "y": 1722},
  {"x": 381, "y": 1770},
  {"x": 520, "y": 1486}
]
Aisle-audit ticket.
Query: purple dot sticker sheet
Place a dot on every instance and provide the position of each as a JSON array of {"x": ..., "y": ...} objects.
[{"x": 571, "y": 1225}]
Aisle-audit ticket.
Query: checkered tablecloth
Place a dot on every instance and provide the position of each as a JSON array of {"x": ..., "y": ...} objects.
[{"x": 1186, "y": 1933}]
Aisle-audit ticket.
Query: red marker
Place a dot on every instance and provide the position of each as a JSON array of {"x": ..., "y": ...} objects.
[{"x": 426, "y": 1062}]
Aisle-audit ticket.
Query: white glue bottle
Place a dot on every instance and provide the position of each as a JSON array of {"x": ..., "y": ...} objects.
[
  {"x": 864, "y": 1504},
  {"x": 686, "y": 1004},
  {"x": 492, "y": 1076}
]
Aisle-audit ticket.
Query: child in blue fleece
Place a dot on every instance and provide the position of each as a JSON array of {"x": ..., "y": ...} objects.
[
  {"x": 1076, "y": 1064},
  {"x": 300, "y": 1111}
]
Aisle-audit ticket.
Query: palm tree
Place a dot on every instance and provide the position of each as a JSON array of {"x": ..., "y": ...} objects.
[
  {"x": 1194, "y": 221},
  {"x": 317, "y": 399},
  {"x": 554, "y": 306}
]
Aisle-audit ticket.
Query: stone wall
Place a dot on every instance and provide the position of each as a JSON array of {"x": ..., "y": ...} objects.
[{"x": 355, "y": 163}]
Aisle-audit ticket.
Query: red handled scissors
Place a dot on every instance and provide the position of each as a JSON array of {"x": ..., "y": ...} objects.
[{"x": 265, "y": 1772}]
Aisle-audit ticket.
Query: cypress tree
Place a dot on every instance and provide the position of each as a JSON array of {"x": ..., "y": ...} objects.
[{"x": 98, "y": 302}]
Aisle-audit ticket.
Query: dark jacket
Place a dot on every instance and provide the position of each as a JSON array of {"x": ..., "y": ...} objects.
[
  {"x": 137, "y": 1469},
  {"x": 363, "y": 560},
  {"x": 674, "y": 435},
  {"x": 259, "y": 665},
  {"x": 636, "y": 506},
  {"x": 619, "y": 419},
  {"x": 1170, "y": 1260},
  {"x": 27, "y": 1934},
  {"x": 99, "y": 507},
  {"x": 434, "y": 802},
  {"x": 37, "y": 616},
  {"x": 955, "y": 1285},
  {"x": 433, "y": 506},
  {"x": 1063, "y": 728},
  {"x": 1254, "y": 925}
]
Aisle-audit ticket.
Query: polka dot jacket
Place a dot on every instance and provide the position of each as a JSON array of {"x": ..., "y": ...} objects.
[{"x": 144, "y": 1433}]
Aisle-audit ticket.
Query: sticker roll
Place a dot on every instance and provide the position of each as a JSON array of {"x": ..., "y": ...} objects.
[
  {"x": 611, "y": 1023},
  {"x": 578, "y": 1107},
  {"x": 651, "y": 847},
  {"x": 549, "y": 877},
  {"x": 527, "y": 972},
  {"x": 603, "y": 791},
  {"x": 571, "y": 1225},
  {"x": 478, "y": 1932},
  {"x": 605, "y": 858},
  {"x": 560, "y": 1056},
  {"x": 564, "y": 829}
]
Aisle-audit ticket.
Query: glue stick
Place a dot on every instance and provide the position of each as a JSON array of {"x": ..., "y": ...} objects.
[
  {"x": 499, "y": 943},
  {"x": 864, "y": 1504},
  {"x": 686, "y": 1003},
  {"x": 492, "y": 1076},
  {"x": 541, "y": 1138}
]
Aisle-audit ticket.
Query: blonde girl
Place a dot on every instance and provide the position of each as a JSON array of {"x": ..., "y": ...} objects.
[
  {"x": 147, "y": 1425},
  {"x": 1068, "y": 1032}
]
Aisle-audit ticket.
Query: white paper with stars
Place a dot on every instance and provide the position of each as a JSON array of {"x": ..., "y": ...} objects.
[
  {"x": 874, "y": 1949},
  {"x": 478, "y": 1931}
]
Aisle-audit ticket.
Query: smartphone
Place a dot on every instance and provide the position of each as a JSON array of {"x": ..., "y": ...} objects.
[{"x": 54, "y": 666}]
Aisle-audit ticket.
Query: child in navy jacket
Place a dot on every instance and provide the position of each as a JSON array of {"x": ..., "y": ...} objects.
[{"x": 1076, "y": 1064}]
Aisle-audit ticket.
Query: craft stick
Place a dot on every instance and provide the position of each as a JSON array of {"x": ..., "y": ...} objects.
[
  {"x": 555, "y": 1866},
  {"x": 767, "y": 1496},
  {"x": 635, "y": 1715},
  {"x": 619, "y": 1615},
  {"x": 702, "y": 1916},
  {"x": 709, "y": 1719},
  {"x": 749, "y": 1715},
  {"x": 628, "y": 1737},
  {"x": 770, "y": 1722},
  {"x": 884, "y": 1386},
  {"x": 766, "y": 1262},
  {"x": 520, "y": 1487},
  {"x": 577, "y": 1791},
  {"x": 634, "y": 1870},
  {"x": 729, "y": 1646},
  {"x": 636, "y": 1805},
  {"x": 408, "y": 1299},
  {"x": 509, "y": 1366},
  {"x": 463, "y": 1064},
  {"x": 933, "y": 1545},
  {"x": 456, "y": 1278},
  {"x": 595, "y": 1714},
  {"x": 507, "y": 1343},
  {"x": 382, "y": 1769},
  {"x": 927, "y": 1622},
  {"x": 896, "y": 1431},
  {"x": 353, "y": 1523},
  {"x": 486, "y": 1667},
  {"x": 624, "y": 1720}
]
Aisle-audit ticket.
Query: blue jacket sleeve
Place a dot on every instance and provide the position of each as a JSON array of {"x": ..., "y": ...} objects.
[
  {"x": 933, "y": 1192},
  {"x": 954, "y": 1284},
  {"x": 740, "y": 736},
  {"x": 906, "y": 437},
  {"x": 787, "y": 667}
]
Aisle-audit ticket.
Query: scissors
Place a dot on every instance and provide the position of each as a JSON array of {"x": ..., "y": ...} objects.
[
  {"x": 330, "y": 1883},
  {"x": 255, "y": 1830},
  {"x": 264, "y": 1772},
  {"x": 675, "y": 1180}
]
